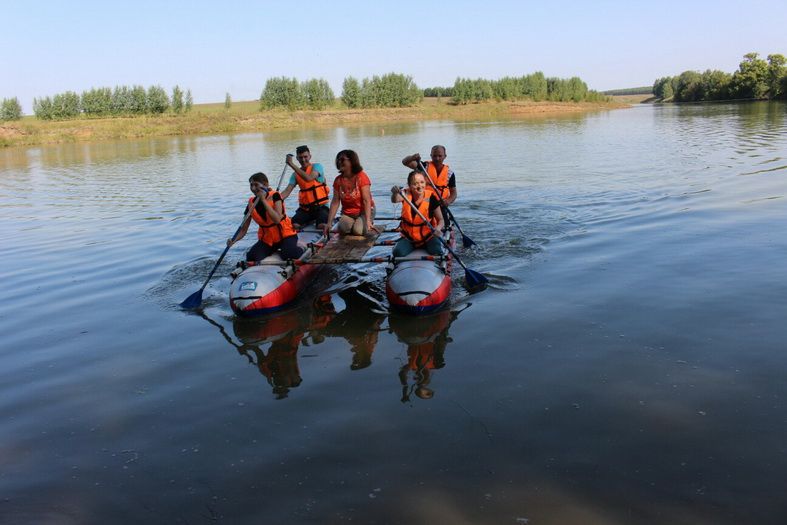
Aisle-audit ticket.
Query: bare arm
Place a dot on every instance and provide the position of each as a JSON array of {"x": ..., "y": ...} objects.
[
  {"x": 287, "y": 191},
  {"x": 241, "y": 233},
  {"x": 438, "y": 214},
  {"x": 451, "y": 196},
  {"x": 366, "y": 199},
  {"x": 331, "y": 213},
  {"x": 301, "y": 173},
  {"x": 411, "y": 161},
  {"x": 274, "y": 212}
]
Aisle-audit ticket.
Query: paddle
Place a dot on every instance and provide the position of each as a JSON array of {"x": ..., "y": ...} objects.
[
  {"x": 472, "y": 278},
  {"x": 195, "y": 300},
  {"x": 467, "y": 242},
  {"x": 281, "y": 177}
]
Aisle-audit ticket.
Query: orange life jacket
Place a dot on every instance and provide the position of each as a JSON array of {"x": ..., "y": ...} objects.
[
  {"x": 439, "y": 179},
  {"x": 271, "y": 233},
  {"x": 312, "y": 192},
  {"x": 413, "y": 226}
]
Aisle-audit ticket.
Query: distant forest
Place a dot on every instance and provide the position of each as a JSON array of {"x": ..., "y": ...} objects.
[
  {"x": 534, "y": 86},
  {"x": 644, "y": 90},
  {"x": 755, "y": 78}
]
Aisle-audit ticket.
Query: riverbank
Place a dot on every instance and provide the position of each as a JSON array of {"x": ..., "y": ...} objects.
[{"x": 245, "y": 117}]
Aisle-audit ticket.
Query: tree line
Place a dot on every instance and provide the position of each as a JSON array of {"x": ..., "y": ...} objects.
[
  {"x": 390, "y": 90},
  {"x": 109, "y": 102},
  {"x": 643, "y": 90},
  {"x": 385, "y": 91},
  {"x": 534, "y": 87},
  {"x": 755, "y": 78}
]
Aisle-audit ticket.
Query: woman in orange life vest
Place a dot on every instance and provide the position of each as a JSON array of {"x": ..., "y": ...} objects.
[
  {"x": 313, "y": 191},
  {"x": 442, "y": 176},
  {"x": 353, "y": 189},
  {"x": 415, "y": 232},
  {"x": 276, "y": 231}
]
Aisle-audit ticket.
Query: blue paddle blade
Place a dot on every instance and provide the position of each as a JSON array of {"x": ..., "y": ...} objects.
[
  {"x": 193, "y": 300},
  {"x": 467, "y": 242},
  {"x": 475, "y": 281}
]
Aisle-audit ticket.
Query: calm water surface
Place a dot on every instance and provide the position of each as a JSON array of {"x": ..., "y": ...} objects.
[{"x": 626, "y": 365}]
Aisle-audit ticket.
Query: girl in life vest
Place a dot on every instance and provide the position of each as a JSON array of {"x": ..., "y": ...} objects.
[
  {"x": 275, "y": 228},
  {"x": 416, "y": 233}
]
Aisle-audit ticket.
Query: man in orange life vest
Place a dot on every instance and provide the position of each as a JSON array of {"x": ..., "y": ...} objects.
[
  {"x": 441, "y": 175},
  {"x": 313, "y": 191}
]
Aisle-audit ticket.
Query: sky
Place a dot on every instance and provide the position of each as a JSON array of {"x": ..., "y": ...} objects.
[{"x": 215, "y": 48}]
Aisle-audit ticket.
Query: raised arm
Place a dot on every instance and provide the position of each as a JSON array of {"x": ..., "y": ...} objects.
[
  {"x": 411, "y": 161},
  {"x": 287, "y": 191}
]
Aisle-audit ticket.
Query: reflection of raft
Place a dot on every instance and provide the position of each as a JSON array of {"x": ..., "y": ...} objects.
[{"x": 420, "y": 286}]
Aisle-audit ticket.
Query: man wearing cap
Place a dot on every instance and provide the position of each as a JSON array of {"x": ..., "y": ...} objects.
[{"x": 313, "y": 192}]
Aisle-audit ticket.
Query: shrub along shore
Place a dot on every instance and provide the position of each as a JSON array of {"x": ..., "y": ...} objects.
[{"x": 246, "y": 117}]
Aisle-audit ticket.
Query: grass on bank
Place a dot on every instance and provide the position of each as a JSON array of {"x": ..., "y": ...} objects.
[{"x": 245, "y": 116}]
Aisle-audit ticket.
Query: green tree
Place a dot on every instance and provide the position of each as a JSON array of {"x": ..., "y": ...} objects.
[
  {"x": 282, "y": 92},
  {"x": 10, "y": 109},
  {"x": 317, "y": 93},
  {"x": 715, "y": 85},
  {"x": 189, "y": 101},
  {"x": 138, "y": 98},
  {"x": 534, "y": 86},
  {"x": 227, "y": 101},
  {"x": 751, "y": 79},
  {"x": 351, "y": 92},
  {"x": 689, "y": 87},
  {"x": 97, "y": 102},
  {"x": 66, "y": 105},
  {"x": 43, "y": 109},
  {"x": 122, "y": 101},
  {"x": 177, "y": 99},
  {"x": 777, "y": 72},
  {"x": 157, "y": 101}
]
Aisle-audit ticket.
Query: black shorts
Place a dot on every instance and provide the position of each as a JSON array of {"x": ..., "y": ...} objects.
[{"x": 316, "y": 214}]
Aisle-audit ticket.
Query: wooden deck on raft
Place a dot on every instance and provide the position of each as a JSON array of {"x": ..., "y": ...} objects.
[{"x": 345, "y": 247}]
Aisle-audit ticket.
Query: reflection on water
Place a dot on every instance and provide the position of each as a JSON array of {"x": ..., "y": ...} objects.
[
  {"x": 272, "y": 343},
  {"x": 426, "y": 341}
]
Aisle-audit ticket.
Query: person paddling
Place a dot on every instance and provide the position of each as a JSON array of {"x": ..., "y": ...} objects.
[
  {"x": 440, "y": 174},
  {"x": 313, "y": 192},
  {"x": 275, "y": 232},
  {"x": 353, "y": 190},
  {"x": 416, "y": 232}
]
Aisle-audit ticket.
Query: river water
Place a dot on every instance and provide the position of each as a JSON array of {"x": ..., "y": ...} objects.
[{"x": 625, "y": 365}]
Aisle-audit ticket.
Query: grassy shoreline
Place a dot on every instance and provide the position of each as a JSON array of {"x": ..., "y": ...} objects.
[{"x": 245, "y": 117}]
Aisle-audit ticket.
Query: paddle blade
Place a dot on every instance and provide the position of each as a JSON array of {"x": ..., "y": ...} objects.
[
  {"x": 474, "y": 280},
  {"x": 467, "y": 242},
  {"x": 193, "y": 300}
]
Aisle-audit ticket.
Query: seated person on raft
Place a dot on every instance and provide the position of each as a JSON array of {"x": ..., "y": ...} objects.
[
  {"x": 353, "y": 190},
  {"x": 417, "y": 233},
  {"x": 440, "y": 174},
  {"x": 313, "y": 192},
  {"x": 275, "y": 231}
]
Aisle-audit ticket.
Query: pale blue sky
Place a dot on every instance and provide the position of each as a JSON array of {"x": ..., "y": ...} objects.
[{"x": 232, "y": 46}]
